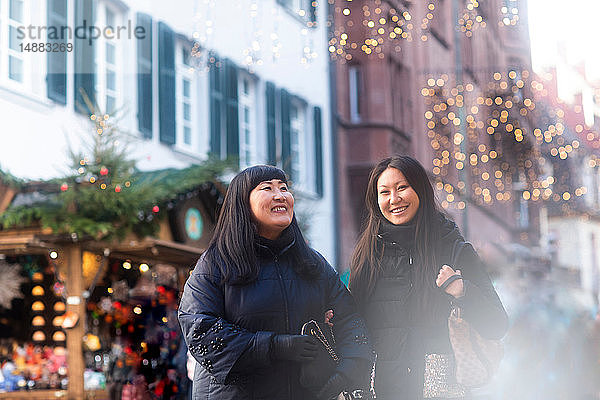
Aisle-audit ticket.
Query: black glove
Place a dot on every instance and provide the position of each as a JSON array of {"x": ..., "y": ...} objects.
[
  {"x": 299, "y": 348},
  {"x": 334, "y": 386}
]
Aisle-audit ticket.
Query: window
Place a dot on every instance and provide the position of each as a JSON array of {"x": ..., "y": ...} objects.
[
  {"x": 224, "y": 109},
  {"x": 108, "y": 58},
  {"x": 247, "y": 104},
  {"x": 144, "y": 76},
  {"x": 56, "y": 79},
  {"x": 591, "y": 180},
  {"x": 292, "y": 143},
  {"x": 186, "y": 95},
  {"x": 13, "y": 64},
  {"x": 297, "y": 115},
  {"x": 401, "y": 102},
  {"x": 355, "y": 92},
  {"x": 303, "y": 8}
]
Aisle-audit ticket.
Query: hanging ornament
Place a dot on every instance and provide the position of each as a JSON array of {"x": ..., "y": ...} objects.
[
  {"x": 103, "y": 171},
  {"x": 10, "y": 282}
]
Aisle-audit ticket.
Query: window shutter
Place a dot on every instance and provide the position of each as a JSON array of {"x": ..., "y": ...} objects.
[
  {"x": 286, "y": 148},
  {"x": 84, "y": 76},
  {"x": 56, "y": 79},
  {"x": 318, "y": 150},
  {"x": 216, "y": 104},
  {"x": 231, "y": 104},
  {"x": 144, "y": 78},
  {"x": 166, "y": 83},
  {"x": 271, "y": 125}
]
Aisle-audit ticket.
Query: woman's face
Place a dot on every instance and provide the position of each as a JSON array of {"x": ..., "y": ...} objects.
[
  {"x": 397, "y": 200},
  {"x": 272, "y": 207}
]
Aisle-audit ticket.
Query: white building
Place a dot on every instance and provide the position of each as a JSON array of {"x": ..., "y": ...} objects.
[{"x": 242, "y": 78}]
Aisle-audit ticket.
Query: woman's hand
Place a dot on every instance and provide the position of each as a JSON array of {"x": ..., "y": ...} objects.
[
  {"x": 455, "y": 288},
  {"x": 329, "y": 317},
  {"x": 300, "y": 348}
]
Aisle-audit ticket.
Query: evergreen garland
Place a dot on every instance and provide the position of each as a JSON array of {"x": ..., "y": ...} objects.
[
  {"x": 10, "y": 180},
  {"x": 106, "y": 197}
]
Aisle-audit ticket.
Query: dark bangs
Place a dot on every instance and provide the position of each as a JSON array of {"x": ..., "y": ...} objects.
[{"x": 260, "y": 173}]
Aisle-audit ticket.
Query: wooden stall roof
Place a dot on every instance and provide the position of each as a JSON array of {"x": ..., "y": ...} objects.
[{"x": 150, "y": 250}]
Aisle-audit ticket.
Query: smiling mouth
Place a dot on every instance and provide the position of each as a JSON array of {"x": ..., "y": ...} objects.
[
  {"x": 279, "y": 209},
  {"x": 399, "y": 210}
]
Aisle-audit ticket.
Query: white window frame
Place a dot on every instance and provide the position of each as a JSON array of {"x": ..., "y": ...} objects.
[
  {"x": 25, "y": 85},
  {"x": 101, "y": 63},
  {"x": 186, "y": 72},
  {"x": 297, "y": 141},
  {"x": 247, "y": 122}
]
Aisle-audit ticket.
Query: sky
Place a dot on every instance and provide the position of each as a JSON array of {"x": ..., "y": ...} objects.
[{"x": 574, "y": 23}]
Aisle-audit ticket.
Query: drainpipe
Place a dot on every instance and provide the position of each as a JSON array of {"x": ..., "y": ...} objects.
[{"x": 334, "y": 139}]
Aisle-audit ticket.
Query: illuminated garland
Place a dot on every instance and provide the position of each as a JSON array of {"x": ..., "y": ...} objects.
[{"x": 514, "y": 150}]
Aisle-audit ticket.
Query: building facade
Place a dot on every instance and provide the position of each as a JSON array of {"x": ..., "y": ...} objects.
[
  {"x": 246, "y": 80},
  {"x": 447, "y": 82}
]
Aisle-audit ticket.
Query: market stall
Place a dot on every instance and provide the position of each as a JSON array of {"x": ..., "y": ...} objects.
[{"x": 87, "y": 317}]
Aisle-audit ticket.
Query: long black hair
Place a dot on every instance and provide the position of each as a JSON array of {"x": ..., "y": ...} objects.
[
  {"x": 233, "y": 245},
  {"x": 365, "y": 267}
]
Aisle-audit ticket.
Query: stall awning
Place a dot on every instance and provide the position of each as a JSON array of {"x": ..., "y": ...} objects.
[{"x": 149, "y": 250}]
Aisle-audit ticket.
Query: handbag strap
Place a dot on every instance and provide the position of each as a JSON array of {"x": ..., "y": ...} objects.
[{"x": 457, "y": 247}]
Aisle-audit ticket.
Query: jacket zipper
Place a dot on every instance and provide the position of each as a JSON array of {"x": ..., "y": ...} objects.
[{"x": 287, "y": 316}]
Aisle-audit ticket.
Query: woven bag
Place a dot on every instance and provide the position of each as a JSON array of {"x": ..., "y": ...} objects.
[{"x": 476, "y": 358}]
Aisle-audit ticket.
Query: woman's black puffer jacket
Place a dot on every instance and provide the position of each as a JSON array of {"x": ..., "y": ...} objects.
[
  {"x": 402, "y": 337},
  {"x": 229, "y": 328}
]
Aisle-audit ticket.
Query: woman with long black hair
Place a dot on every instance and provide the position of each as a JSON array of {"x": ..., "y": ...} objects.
[
  {"x": 403, "y": 280},
  {"x": 249, "y": 295}
]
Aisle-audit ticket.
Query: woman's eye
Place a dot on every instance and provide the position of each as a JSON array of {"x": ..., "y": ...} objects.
[
  {"x": 284, "y": 188},
  {"x": 402, "y": 187},
  {"x": 384, "y": 192}
]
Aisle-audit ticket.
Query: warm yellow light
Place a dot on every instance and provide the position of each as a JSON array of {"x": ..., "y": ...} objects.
[
  {"x": 59, "y": 306},
  {"x": 38, "y": 320},
  {"x": 38, "y": 306},
  {"x": 59, "y": 336},
  {"x": 38, "y": 336},
  {"x": 37, "y": 291}
]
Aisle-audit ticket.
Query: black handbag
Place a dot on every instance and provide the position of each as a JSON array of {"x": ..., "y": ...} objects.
[{"x": 314, "y": 374}]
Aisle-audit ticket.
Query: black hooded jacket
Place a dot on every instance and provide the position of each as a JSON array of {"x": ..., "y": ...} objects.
[
  {"x": 401, "y": 335},
  {"x": 229, "y": 328}
]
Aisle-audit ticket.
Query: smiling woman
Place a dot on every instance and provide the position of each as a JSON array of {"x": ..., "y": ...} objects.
[
  {"x": 405, "y": 278},
  {"x": 272, "y": 207},
  {"x": 245, "y": 303}
]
